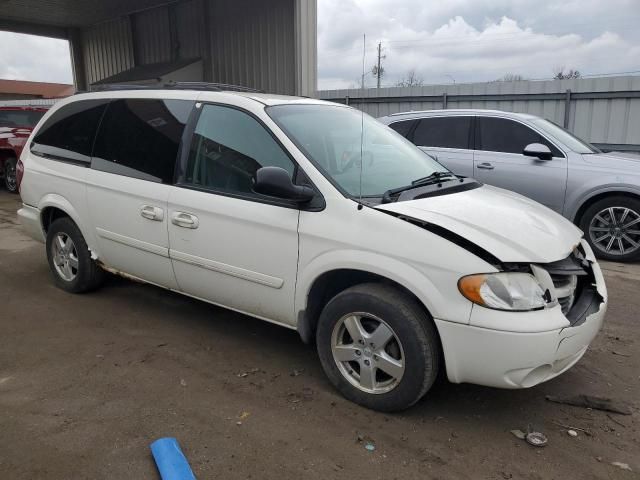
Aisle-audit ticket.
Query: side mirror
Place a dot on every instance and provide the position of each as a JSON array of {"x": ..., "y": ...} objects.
[
  {"x": 275, "y": 182},
  {"x": 542, "y": 152}
]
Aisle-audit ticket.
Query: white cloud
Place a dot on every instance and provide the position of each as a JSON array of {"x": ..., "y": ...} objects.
[
  {"x": 476, "y": 40},
  {"x": 39, "y": 59}
]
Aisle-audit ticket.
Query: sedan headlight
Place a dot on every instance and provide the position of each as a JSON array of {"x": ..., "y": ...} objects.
[{"x": 512, "y": 291}]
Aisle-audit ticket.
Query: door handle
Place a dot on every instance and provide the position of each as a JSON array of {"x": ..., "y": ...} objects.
[
  {"x": 152, "y": 213},
  {"x": 485, "y": 166},
  {"x": 184, "y": 220}
]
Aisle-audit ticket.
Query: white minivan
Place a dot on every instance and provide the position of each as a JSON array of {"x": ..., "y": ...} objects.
[{"x": 316, "y": 217}]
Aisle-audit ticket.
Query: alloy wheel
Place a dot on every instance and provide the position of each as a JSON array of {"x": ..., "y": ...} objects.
[
  {"x": 368, "y": 353},
  {"x": 615, "y": 230},
  {"x": 65, "y": 257}
]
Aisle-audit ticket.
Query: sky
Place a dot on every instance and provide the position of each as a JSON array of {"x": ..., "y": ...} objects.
[
  {"x": 443, "y": 41},
  {"x": 39, "y": 59},
  {"x": 475, "y": 40}
]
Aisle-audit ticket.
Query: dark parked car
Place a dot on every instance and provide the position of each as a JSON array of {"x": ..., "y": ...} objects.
[{"x": 16, "y": 124}]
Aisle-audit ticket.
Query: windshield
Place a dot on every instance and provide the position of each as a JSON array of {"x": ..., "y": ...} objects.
[
  {"x": 361, "y": 155},
  {"x": 20, "y": 118},
  {"x": 571, "y": 141}
]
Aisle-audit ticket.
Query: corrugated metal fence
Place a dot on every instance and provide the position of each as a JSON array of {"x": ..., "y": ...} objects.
[{"x": 604, "y": 111}]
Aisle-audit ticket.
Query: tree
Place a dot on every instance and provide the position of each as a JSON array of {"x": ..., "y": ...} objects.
[
  {"x": 511, "y": 77},
  {"x": 560, "y": 74},
  {"x": 378, "y": 70},
  {"x": 411, "y": 79},
  {"x": 378, "y": 73}
]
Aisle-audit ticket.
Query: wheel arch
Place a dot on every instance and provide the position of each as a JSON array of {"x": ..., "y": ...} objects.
[
  {"x": 52, "y": 207},
  {"x": 330, "y": 283},
  {"x": 597, "y": 196}
]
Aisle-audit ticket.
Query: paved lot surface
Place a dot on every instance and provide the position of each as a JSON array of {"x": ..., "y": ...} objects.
[{"x": 88, "y": 381}]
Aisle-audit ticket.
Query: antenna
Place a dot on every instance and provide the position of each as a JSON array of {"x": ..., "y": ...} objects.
[{"x": 364, "y": 53}]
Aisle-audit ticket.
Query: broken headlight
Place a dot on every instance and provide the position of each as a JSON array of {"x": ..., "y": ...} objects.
[{"x": 513, "y": 291}]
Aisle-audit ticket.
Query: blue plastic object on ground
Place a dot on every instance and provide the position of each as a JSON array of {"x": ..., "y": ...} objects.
[{"x": 171, "y": 462}]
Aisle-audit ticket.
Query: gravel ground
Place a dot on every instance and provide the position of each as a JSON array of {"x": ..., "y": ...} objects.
[{"x": 87, "y": 382}]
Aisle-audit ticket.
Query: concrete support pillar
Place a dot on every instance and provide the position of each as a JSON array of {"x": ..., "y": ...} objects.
[
  {"x": 306, "y": 47},
  {"x": 77, "y": 59}
]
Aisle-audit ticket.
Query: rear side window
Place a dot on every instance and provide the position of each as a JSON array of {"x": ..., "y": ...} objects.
[
  {"x": 227, "y": 149},
  {"x": 68, "y": 134},
  {"x": 443, "y": 132},
  {"x": 504, "y": 135},
  {"x": 403, "y": 128},
  {"x": 140, "y": 138}
]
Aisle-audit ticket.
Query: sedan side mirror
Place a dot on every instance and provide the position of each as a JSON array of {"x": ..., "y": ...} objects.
[
  {"x": 275, "y": 182},
  {"x": 542, "y": 152}
]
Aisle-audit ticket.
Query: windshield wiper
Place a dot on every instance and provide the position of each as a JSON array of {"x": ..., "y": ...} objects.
[{"x": 435, "y": 177}]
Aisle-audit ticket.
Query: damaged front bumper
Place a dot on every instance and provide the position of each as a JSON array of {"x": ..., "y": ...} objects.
[{"x": 522, "y": 349}]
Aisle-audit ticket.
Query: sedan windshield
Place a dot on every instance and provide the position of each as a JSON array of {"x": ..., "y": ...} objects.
[
  {"x": 359, "y": 154},
  {"x": 570, "y": 141}
]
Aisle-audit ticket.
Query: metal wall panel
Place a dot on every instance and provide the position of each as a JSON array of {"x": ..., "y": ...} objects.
[
  {"x": 270, "y": 45},
  {"x": 613, "y": 121},
  {"x": 306, "y": 33},
  {"x": 107, "y": 49},
  {"x": 190, "y": 28},
  {"x": 152, "y": 36},
  {"x": 253, "y": 44}
]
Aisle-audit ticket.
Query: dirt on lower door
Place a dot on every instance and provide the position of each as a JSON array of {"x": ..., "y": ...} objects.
[{"x": 87, "y": 382}]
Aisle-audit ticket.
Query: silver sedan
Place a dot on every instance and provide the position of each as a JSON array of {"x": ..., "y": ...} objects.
[{"x": 599, "y": 192}]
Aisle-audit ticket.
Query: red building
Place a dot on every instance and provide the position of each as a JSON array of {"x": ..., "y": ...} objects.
[{"x": 20, "y": 89}]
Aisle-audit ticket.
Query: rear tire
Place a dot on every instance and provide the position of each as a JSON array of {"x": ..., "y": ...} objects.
[
  {"x": 10, "y": 178},
  {"x": 404, "y": 364},
  {"x": 70, "y": 260},
  {"x": 612, "y": 228}
]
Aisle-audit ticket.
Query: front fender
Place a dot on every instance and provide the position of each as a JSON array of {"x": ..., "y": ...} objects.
[{"x": 442, "y": 300}]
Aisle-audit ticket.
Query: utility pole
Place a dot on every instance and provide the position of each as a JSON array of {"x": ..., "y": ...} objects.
[
  {"x": 379, "y": 69},
  {"x": 364, "y": 53}
]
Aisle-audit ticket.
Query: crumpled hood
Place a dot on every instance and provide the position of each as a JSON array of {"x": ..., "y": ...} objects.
[{"x": 511, "y": 227}]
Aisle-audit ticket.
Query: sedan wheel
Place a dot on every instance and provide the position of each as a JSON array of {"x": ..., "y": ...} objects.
[
  {"x": 616, "y": 231},
  {"x": 612, "y": 228}
]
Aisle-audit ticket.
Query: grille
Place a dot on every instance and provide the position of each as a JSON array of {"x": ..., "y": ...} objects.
[{"x": 565, "y": 286}]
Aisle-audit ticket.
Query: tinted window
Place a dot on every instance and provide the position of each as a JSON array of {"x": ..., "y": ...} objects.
[
  {"x": 140, "y": 138},
  {"x": 403, "y": 127},
  {"x": 227, "y": 149},
  {"x": 70, "y": 131},
  {"x": 503, "y": 135},
  {"x": 20, "y": 118},
  {"x": 445, "y": 132}
]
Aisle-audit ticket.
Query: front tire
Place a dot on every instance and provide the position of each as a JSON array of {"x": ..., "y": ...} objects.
[
  {"x": 612, "y": 228},
  {"x": 69, "y": 258},
  {"x": 378, "y": 347},
  {"x": 10, "y": 177}
]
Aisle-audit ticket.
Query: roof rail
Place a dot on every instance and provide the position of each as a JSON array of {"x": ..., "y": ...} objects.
[{"x": 204, "y": 86}]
